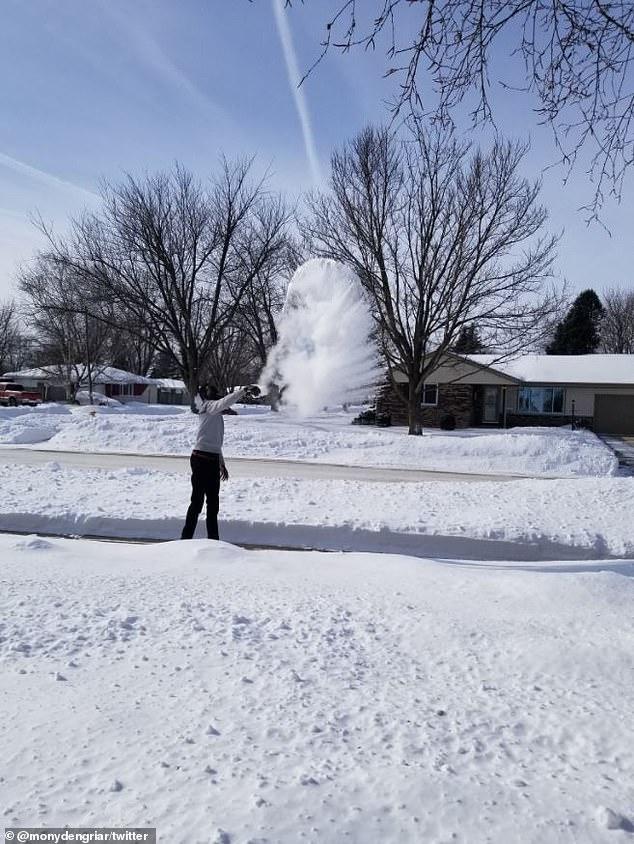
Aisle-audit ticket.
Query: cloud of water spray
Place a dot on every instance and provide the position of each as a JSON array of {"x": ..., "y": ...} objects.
[{"x": 324, "y": 355}]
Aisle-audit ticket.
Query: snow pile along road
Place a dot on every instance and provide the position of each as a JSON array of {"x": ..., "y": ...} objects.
[
  {"x": 227, "y": 696},
  {"x": 328, "y": 437},
  {"x": 527, "y": 519}
]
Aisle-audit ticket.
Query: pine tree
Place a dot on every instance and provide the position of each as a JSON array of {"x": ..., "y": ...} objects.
[
  {"x": 578, "y": 332},
  {"x": 468, "y": 342}
]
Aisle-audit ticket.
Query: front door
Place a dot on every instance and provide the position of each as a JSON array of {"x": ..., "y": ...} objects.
[{"x": 490, "y": 408}]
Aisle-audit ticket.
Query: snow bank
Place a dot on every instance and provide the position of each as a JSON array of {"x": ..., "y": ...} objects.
[
  {"x": 283, "y": 697},
  {"x": 530, "y": 520},
  {"x": 327, "y": 437},
  {"x": 29, "y": 435}
]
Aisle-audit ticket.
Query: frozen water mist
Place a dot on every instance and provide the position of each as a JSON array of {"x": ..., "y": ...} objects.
[{"x": 325, "y": 354}]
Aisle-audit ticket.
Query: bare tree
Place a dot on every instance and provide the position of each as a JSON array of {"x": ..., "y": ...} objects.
[
  {"x": 617, "y": 324},
  {"x": 264, "y": 299},
  {"x": 12, "y": 341},
  {"x": 132, "y": 347},
  {"x": 70, "y": 338},
  {"x": 440, "y": 237},
  {"x": 575, "y": 56},
  {"x": 177, "y": 256},
  {"x": 233, "y": 360}
]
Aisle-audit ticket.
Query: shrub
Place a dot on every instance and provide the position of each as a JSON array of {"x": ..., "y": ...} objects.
[
  {"x": 366, "y": 417},
  {"x": 371, "y": 417},
  {"x": 448, "y": 422}
]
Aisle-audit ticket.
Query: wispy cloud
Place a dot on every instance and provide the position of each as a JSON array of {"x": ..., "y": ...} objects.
[
  {"x": 150, "y": 53},
  {"x": 294, "y": 79},
  {"x": 42, "y": 176}
]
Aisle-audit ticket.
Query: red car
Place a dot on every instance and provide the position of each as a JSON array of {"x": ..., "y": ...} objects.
[{"x": 13, "y": 394}]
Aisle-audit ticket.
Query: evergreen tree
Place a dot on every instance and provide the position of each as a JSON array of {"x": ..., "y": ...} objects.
[
  {"x": 469, "y": 342},
  {"x": 578, "y": 333}
]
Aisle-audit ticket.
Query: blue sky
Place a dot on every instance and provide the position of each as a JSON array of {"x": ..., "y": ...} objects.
[{"x": 91, "y": 88}]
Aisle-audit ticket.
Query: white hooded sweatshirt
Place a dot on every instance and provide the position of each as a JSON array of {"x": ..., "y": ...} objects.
[{"x": 211, "y": 427}]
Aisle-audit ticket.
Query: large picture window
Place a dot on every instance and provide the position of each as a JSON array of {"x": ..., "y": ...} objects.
[
  {"x": 430, "y": 394},
  {"x": 541, "y": 400}
]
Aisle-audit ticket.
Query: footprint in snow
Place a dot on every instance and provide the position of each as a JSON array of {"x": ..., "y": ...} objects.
[
  {"x": 610, "y": 819},
  {"x": 212, "y": 731}
]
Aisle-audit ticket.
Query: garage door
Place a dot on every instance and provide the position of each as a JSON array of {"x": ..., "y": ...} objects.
[{"x": 614, "y": 415}]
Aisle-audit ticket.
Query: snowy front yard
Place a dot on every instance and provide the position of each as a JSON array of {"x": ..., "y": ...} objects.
[
  {"x": 329, "y": 437},
  {"x": 230, "y": 696},
  {"x": 234, "y": 697}
]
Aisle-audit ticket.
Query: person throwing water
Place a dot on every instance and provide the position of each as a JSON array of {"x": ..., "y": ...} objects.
[{"x": 207, "y": 463}]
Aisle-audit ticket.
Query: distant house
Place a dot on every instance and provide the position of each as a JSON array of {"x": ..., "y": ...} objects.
[
  {"x": 596, "y": 391},
  {"x": 168, "y": 391},
  {"x": 54, "y": 383}
]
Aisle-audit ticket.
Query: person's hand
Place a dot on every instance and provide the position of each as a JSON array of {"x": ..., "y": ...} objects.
[{"x": 224, "y": 474}]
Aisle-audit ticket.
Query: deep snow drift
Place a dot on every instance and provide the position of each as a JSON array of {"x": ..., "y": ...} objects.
[
  {"x": 228, "y": 696},
  {"x": 327, "y": 437},
  {"x": 325, "y": 354}
]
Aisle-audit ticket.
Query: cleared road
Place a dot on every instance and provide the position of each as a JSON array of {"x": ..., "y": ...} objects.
[{"x": 240, "y": 467}]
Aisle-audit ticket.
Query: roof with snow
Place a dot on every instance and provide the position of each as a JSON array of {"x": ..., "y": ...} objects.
[
  {"x": 101, "y": 374},
  {"x": 563, "y": 369},
  {"x": 169, "y": 383}
]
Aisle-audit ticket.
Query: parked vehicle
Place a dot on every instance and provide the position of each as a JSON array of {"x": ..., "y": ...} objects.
[
  {"x": 13, "y": 394},
  {"x": 98, "y": 399}
]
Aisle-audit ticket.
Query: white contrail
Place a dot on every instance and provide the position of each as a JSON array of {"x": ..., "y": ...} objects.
[
  {"x": 42, "y": 175},
  {"x": 294, "y": 78}
]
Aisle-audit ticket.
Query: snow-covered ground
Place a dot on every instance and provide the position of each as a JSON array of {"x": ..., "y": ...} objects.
[
  {"x": 228, "y": 696},
  {"x": 520, "y": 519},
  {"x": 329, "y": 437}
]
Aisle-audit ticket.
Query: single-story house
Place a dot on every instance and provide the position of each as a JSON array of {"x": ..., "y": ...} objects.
[
  {"x": 53, "y": 382},
  {"x": 596, "y": 391}
]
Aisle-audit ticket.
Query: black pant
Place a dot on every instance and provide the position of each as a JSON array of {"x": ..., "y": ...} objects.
[{"x": 205, "y": 483}]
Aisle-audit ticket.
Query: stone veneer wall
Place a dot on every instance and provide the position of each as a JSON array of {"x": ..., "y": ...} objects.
[
  {"x": 388, "y": 402},
  {"x": 452, "y": 398}
]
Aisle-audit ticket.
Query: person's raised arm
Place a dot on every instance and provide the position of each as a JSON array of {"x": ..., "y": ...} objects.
[{"x": 214, "y": 406}]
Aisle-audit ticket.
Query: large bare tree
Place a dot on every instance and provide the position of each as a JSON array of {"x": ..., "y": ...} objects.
[
  {"x": 442, "y": 237},
  {"x": 177, "y": 255},
  {"x": 617, "y": 322},
  {"x": 574, "y": 56}
]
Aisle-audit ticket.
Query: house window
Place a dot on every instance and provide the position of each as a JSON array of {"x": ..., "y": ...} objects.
[
  {"x": 430, "y": 394},
  {"x": 121, "y": 389},
  {"x": 547, "y": 400}
]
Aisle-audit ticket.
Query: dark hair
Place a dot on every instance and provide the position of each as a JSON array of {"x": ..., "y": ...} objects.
[{"x": 209, "y": 392}]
